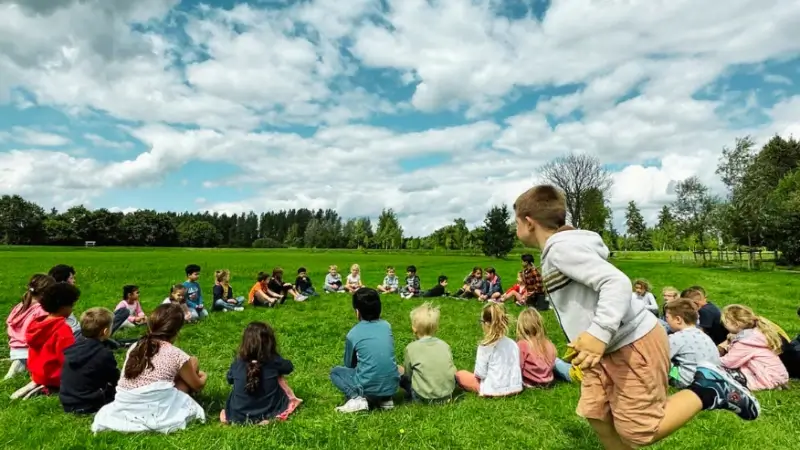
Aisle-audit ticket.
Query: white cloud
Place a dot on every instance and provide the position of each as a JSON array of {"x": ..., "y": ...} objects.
[
  {"x": 101, "y": 142},
  {"x": 36, "y": 138},
  {"x": 778, "y": 79}
]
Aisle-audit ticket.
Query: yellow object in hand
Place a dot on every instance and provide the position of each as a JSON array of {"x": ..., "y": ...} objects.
[{"x": 575, "y": 373}]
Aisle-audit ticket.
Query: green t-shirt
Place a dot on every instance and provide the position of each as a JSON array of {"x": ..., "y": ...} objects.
[{"x": 429, "y": 363}]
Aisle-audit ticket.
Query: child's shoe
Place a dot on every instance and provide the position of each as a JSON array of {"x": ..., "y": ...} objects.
[
  {"x": 354, "y": 405},
  {"x": 26, "y": 391},
  {"x": 388, "y": 404},
  {"x": 17, "y": 367},
  {"x": 727, "y": 392},
  {"x": 239, "y": 309},
  {"x": 300, "y": 298}
]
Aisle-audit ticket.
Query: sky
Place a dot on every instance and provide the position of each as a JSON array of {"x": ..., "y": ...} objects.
[{"x": 437, "y": 109}]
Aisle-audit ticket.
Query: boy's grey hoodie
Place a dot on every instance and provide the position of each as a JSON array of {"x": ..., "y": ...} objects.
[{"x": 588, "y": 293}]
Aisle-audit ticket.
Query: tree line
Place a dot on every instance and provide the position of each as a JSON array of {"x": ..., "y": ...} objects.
[
  {"x": 760, "y": 208},
  {"x": 23, "y": 222}
]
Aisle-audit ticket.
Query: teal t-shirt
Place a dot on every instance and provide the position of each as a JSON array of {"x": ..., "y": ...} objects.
[{"x": 369, "y": 348}]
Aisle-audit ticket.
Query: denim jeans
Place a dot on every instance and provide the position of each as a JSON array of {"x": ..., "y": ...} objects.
[
  {"x": 561, "y": 370},
  {"x": 120, "y": 317},
  {"x": 201, "y": 313},
  {"x": 310, "y": 292},
  {"x": 344, "y": 378},
  {"x": 220, "y": 304}
]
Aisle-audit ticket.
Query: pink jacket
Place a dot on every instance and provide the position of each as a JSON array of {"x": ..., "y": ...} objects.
[
  {"x": 135, "y": 309},
  {"x": 537, "y": 369},
  {"x": 761, "y": 367},
  {"x": 17, "y": 323}
]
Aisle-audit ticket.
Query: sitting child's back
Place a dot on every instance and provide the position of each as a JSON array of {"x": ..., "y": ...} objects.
[
  {"x": 428, "y": 361},
  {"x": 370, "y": 345}
]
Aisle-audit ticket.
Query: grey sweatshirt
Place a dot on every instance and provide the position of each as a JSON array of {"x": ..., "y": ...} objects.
[{"x": 589, "y": 294}]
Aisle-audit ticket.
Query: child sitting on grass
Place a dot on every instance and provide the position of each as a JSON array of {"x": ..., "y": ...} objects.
[
  {"x": 413, "y": 287},
  {"x": 428, "y": 372},
  {"x": 641, "y": 293},
  {"x": 754, "y": 349},
  {"x": 353, "y": 282},
  {"x": 493, "y": 288},
  {"x": 369, "y": 374},
  {"x": 130, "y": 302},
  {"x": 20, "y": 317},
  {"x": 438, "y": 290},
  {"x": 497, "y": 364},
  {"x": 177, "y": 296},
  {"x": 223, "y": 293},
  {"x": 534, "y": 288},
  {"x": 90, "y": 374},
  {"x": 473, "y": 284},
  {"x": 282, "y": 288},
  {"x": 303, "y": 284},
  {"x": 391, "y": 283},
  {"x": 537, "y": 355},
  {"x": 668, "y": 294},
  {"x": 688, "y": 345},
  {"x": 47, "y": 338},
  {"x": 333, "y": 281},
  {"x": 157, "y": 377},
  {"x": 261, "y": 295},
  {"x": 194, "y": 295},
  {"x": 260, "y": 392},
  {"x": 517, "y": 292}
]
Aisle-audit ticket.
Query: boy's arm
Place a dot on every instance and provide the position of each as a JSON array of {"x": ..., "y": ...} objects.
[
  {"x": 676, "y": 343},
  {"x": 199, "y": 296},
  {"x": 110, "y": 369},
  {"x": 585, "y": 266},
  {"x": 349, "y": 353},
  {"x": 406, "y": 363}
]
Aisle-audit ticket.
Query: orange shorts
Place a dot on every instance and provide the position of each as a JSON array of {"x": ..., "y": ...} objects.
[{"x": 629, "y": 386}]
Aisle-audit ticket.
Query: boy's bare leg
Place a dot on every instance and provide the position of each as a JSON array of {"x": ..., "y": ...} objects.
[
  {"x": 608, "y": 435},
  {"x": 681, "y": 407}
]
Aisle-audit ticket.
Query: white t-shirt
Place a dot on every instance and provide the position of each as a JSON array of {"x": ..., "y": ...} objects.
[
  {"x": 354, "y": 280},
  {"x": 498, "y": 368}
]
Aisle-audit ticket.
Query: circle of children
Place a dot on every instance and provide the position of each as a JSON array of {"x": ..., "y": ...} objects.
[{"x": 616, "y": 338}]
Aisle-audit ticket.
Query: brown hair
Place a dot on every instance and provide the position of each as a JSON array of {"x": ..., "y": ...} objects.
[
  {"x": 545, "y": 204},
  {"x": 745, "y": 318},
  {"x": 175, "y": 288},
  {"x": 222, "y": 275},
  {"x": 94, "y": 321},
  {"x": 277, "y": 273},
  {"x": 163, "y": 326},
  {"x": 693, "y": 292},
  {"x": 258, "y": 347},
  {"x": 683, "y": 308},
  {"x": 643, "y": 283},
  {"x": 36, "y": 286},
  {"x": 495, "y": 318}
]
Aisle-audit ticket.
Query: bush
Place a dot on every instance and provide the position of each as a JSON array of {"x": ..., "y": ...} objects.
[{"x": 267, "y": 243}]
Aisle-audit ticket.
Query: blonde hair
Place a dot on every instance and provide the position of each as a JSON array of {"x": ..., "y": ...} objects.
[
  {"x": 670, "y": 290},
  {"x": 333, "y": 267},
  {"x": 740, "y": 316},
  {"x": 94, "y": 321},
  {"x": 425, "y": 319},
  {"x": 545, "y": 204},
  {"x": 355, "y": 267},
  {"x": 222, "y": 275},
  {"x": 530, "y": 328},
  {"x": 643, "y": 283},
  {"x": 497, "y": 322}
]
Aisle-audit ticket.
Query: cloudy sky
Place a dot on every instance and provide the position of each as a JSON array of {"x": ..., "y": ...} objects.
[{"x": 436, "y": 108}]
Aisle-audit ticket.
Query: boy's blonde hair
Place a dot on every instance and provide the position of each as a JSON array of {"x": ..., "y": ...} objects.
[
  {"x": 683, "y": 308},
  {"x": 355, "y": 267},
  {"x": 222, "y": 275},
  {"x": 333, "y": 267},
  {"x": 643, "y": 283},
  {"x": 497, "y": 321},
  {"x": 425, "y": 319},
  {"x": 671, "y": 290},
  {"x": 94, "y": 321},
  {"x": 545, "y": 204},
  {"x": 530, "y": 328},
  {"x": 740, "y": 316}
]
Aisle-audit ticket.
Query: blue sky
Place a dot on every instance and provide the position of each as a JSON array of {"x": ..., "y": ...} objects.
[{"x": 436, "y": 109}]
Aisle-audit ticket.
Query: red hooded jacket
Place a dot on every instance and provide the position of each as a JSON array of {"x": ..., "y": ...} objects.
[{"x": 47, "y": 338}]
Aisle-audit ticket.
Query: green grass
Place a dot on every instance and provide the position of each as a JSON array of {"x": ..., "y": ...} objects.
[{"x": 312, "y": 336}]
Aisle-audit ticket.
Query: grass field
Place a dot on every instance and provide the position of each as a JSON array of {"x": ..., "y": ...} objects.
[{"x": 312, "y": 334}]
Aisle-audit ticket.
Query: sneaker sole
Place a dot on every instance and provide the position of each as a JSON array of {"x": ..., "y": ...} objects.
[{"x": 744, "y": 414}]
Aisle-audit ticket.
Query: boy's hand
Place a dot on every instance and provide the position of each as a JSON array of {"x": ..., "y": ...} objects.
[
  {"x": 589, "y": 350},
  {"x": 723, "y": 348}
]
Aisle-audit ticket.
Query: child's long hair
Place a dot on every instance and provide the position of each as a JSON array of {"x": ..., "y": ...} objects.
[
  {"x": 497, "y": 322},
  {"x": 643, "y": 283},
  {"x": 222, "y": 275},
  {"x": 258, "y": 347},
  {"x": 174, "y": 289},
  {"x": 530, "y": 328},
  {"x": 36, "y": 286},
  {"x": 163, "y": 325},
  {"x": 740, "y": 316}
]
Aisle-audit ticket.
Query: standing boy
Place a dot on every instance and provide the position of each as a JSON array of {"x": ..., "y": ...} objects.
[
  {"x": 623, "y": 352},
  {"x": 369, "y": 374},
  {"x": 194, "y": 295}
]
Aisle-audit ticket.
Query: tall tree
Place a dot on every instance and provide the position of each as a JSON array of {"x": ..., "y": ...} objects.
[
  {"x": 577, "y": 174},
  {"x": 594, "y": 211},
  {"x": 21, "y": 221},
  {"x": 693, "y": 209},
  {"x": 498, "y": 239},
  {"x": 741, "y": 218},
  {"x": 665, "y": 233},
  {"x": 389, "y": 234},
  {"x": 638, "y": 236}
]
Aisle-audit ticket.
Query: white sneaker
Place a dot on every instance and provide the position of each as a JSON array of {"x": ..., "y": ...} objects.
[
  {"x": 225, "y": 310},
  {"x": 16, "y": 367},
  {"x": 354, "y": 405},
  {"x": 388, "y": 404},
  {"x": 239, "y": 309},
  {"x": 300, "y": 298}
]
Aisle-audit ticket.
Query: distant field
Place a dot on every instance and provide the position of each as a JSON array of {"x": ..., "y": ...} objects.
[{"x": 312, "y": 335}]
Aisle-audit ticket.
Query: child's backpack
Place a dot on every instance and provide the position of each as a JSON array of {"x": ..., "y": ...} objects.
[{"x": 791, "y": 357}]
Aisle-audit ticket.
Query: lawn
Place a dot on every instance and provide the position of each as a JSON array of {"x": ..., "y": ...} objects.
[{"x": 312, "y": 334}]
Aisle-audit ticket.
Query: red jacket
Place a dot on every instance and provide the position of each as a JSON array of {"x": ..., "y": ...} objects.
[{"x": 47, "y": 338}]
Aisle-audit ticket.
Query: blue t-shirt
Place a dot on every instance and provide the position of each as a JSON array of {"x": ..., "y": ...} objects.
[
  {"x": 369, "y": 348},
  {"x": 194, "y": 296}
]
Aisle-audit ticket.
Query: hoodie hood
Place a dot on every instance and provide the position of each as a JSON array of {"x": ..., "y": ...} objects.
[
  {"x": 588, "y": 239},
  {"x": 751, "y": 338},
  {"x": 83, "y": 351},
  {"x": 40, "y": 330},
  {"x": 18, "y": 322}
]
